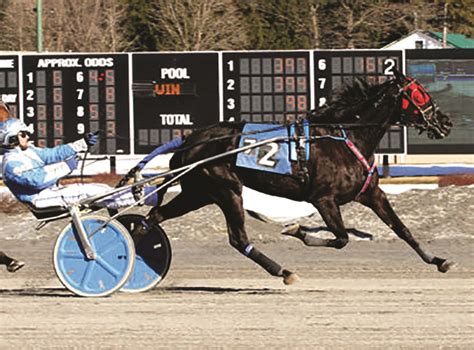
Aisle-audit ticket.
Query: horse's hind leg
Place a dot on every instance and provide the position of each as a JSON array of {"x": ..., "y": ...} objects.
[
  {"x": 11, "y": 264},
  {"x": 378, "y": 202},
  {"x": 231, "y": 205},
  {"x": 183, "y": 203},
  {"x": 331, "y": 214}
]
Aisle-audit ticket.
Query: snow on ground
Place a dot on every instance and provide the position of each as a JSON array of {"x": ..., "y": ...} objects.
[{"x": 283, "y": 210}]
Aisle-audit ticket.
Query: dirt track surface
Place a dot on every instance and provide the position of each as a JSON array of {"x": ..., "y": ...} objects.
[{"x": 369, "y": 294}]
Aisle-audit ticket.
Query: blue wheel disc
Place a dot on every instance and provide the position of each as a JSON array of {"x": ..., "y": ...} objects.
[
  {"x": 108, "y": 272},
  {"x": 153, "y": 256}
]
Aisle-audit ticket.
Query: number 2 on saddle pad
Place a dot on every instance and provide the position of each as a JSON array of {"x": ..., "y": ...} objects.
[{"x": 272, "y": 157}]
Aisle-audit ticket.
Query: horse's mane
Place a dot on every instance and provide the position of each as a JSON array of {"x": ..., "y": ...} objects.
[{"x": 345, "y": 102}]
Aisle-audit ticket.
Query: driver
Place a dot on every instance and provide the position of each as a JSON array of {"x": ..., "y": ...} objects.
[{"x": 31, "y": 173}]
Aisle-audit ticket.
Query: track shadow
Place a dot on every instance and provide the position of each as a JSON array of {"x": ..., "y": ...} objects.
[
  {"x": 226, "y": 290},
  {"x": 64, "y": 293},
  {"x": 353, "y": 231},
  {"x": 37, "y": 292},
  {"x": 222, "y": 290}
]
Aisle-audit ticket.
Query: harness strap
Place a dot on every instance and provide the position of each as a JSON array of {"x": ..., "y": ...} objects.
[
  {"x": 368, "y": 179},
  {"x": 370, "y": 168},
  {"x": 355, "y": 150},
  {"x": 300, "y": 141}
]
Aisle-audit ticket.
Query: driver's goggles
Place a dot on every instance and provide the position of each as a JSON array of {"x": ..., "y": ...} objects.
[{"x": 24, "y": 134}]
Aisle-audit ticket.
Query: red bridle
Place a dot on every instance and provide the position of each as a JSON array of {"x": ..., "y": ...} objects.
[{"x": 416, "y": 96}]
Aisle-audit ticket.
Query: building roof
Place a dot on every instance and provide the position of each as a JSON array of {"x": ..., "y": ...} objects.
[
  {"x": 457, "y": 40},
  {"x": 431, "y": 40}
]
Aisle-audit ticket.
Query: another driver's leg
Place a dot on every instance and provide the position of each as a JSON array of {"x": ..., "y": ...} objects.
[
  {"x": 126, "y": 198},
  {"x": 67, "y": 195},
  {"x": 70, "y": 194}
]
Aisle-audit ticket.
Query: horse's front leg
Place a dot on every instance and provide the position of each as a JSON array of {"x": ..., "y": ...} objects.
[
  {"x": 11, "y": 264},
  {"x": 378, "y": 202},
  {"x": 231, "y": 205}
]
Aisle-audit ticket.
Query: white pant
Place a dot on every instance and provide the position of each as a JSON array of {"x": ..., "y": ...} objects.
[{"x": 69, "y": 194}]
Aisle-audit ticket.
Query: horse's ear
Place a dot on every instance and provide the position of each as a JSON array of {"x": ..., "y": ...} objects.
[{"x": 399, "y": 76}]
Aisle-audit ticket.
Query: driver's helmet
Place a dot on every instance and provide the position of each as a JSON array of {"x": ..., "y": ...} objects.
[{"x": 9, "y": 131}]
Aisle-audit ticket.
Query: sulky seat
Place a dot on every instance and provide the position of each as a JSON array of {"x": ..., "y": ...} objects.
[{"x": 48, "y": 212}]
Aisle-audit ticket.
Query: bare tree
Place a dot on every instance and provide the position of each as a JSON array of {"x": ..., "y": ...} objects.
[
  {"x": 68, "y": 25},
  {"x": 297, "y": 20},
  {"x": 349, "y": 21},
  {"x": 87, "y": 25},
  {"x": 193, "y": 25},
  {"x": 418, "y": 14},
  {"x": 371, "y": 23},
  {"x": 18, "y": 26},
  {"x": 316, "y": 35}
]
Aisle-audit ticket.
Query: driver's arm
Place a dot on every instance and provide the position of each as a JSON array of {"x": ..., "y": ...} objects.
[
  {"x": 36, "y": 178},
  {"x": 62, "y": 152}
]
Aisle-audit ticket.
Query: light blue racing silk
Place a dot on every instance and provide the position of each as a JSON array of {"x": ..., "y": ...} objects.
[{"x": 28, "y": 172}]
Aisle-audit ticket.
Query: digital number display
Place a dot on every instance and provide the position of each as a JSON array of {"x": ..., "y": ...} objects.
[
  {"x": 67, "y": 96},
  {"x": 173, "y": 94},
  {"x": 265, "y": 86},
  {"x": 9, "y": 79},
  {"x": 448, "y": 76},
  {"x": 333, "y": 70}
]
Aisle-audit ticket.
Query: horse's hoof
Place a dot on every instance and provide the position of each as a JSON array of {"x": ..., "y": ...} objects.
[
  {"x": 291, "y": 278},
  {"x": 446, "y": 266},
  {"x": 15, "y": 265},
  {"x": 291, "y": 230}
]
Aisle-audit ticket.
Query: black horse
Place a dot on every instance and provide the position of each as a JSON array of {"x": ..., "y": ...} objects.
[{"x": 336, "y": 173}]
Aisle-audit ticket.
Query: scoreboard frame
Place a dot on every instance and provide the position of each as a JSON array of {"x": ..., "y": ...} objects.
[
  {"x": 334, "y": 69},
  {"x": 262, "y": 86},
  {"x": 67, "y": 95},
  {"x": 172, "y": 94},
  {"x": 445, "y": 82},
  {"x": 10, "y": 83}
]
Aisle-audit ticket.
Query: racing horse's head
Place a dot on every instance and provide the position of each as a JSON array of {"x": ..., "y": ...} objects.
[{"x": 418, "y": 109}]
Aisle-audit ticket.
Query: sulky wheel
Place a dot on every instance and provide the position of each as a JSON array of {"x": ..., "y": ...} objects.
[
  {"x": 153, "y": 256},
  {"x": 112, "y": 266}
]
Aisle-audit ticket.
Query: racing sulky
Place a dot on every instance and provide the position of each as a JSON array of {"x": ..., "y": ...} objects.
[{"x": 340, "y": 167}]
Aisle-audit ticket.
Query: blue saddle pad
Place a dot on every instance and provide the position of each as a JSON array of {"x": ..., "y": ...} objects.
[{"x": 272, "y": 157}]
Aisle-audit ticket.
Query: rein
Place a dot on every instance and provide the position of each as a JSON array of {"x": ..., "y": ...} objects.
[{"x": 278, "y": 127}]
